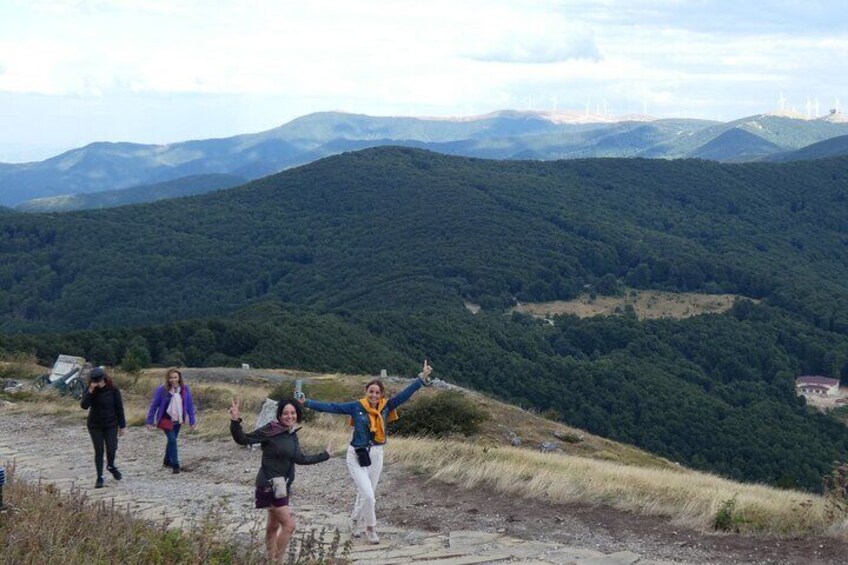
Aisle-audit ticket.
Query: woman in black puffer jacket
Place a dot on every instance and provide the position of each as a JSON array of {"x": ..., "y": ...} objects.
[{"x": 106, "y": 420}]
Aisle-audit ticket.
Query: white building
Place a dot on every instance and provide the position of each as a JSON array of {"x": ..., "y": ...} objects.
[{"x": 817, "y": 386}]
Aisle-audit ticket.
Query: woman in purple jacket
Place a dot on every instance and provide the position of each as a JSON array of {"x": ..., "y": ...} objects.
[{"x": 172, "y": 407}]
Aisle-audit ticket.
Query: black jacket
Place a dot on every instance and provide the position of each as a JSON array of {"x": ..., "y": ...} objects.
[
  {"x": 106, "y": 408},
  {"x": 280, "y": 452}
]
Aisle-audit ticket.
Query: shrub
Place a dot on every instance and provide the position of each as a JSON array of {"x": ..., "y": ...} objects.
[
  {"x": 835, "y": 491},
  {"x": 727, "y": 519},
  {"x": 447, "y": 412}
]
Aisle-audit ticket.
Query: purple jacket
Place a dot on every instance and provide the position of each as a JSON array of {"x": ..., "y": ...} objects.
[{"x": 161, "y": 399}]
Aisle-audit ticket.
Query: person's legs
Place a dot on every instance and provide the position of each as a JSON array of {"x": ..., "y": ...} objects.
[
  {"x": 271, "y": 527},
  {"x": 363, "y": 509},
  {"x": 374, "y": 472},
  {"x": 98, "y": 439},
  {"x": 110, "y": 436},
  {"x": 171, "y": 454},
  {"x": 277, "y": 541}
]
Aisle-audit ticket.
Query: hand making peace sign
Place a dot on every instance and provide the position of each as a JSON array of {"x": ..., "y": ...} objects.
[{"x": 235, "y": 413}]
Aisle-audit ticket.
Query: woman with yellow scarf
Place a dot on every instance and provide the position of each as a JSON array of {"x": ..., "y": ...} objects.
[{"x": 368, "y": 417}]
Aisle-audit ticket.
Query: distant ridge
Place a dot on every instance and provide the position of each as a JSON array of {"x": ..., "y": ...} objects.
[
  {"x": 834, "y": 147},
  {"x": 736, "y": 145},
  {"x": 536, "y": 135},
  {"x": 185, "y": 186}
]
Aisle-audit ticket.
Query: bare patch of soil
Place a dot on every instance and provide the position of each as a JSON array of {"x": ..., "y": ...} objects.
[{"x": 413, "y": 502}]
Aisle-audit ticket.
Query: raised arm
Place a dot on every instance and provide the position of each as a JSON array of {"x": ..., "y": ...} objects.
[
  {"x": 332, "y": 407},
  {"x": 85, "y": 401},
  {"x": 404, "y": 395},
  {"x": 236, "y": 430}
]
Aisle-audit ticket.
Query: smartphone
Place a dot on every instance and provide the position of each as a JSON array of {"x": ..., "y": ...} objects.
[{"x": 298, "y": 388}]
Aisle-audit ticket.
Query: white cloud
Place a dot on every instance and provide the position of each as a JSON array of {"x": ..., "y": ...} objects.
[{"x": 402, "y": 56}]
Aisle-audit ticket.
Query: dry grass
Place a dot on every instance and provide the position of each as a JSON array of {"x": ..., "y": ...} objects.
[
  {"x": 647, "y": 304},
  {"x": 687, "y": 497},
  {"x": 42, "y": 526}
]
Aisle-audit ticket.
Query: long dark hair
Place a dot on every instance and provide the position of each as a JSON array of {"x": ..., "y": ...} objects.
[{"x": 282, "y": 404}]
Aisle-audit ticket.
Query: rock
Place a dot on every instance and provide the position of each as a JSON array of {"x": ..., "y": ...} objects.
[{"x": 568, "y": 438}]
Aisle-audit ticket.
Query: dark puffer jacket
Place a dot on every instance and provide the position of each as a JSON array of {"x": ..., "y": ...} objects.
[
  {"x": 280, "y": 452},
  {"x": 106, "y": 407}
]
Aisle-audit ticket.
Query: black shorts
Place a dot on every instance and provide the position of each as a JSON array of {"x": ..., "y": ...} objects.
[{"x": 265, "y": 498}]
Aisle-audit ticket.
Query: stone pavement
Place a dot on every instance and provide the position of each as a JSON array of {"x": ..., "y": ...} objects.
[{"x": 62, "y": 455}]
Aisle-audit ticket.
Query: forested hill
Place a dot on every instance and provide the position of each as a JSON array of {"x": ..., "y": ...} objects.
[
  {"x": 396, "y": 228},
  {"x": 362, "y": 261}
]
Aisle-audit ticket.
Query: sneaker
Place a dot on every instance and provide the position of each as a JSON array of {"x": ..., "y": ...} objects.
[
  {"x": 372, "y": 536},
  {"x": 166, "y": 462},
  {"x": 355, "y": 532},
  {"x": 115, "y": 473},
  {"x": 99, "y": 483},
  {"x": 175, "y": 469}
]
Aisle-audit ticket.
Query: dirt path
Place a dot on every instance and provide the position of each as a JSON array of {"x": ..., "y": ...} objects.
[{"x": 420, "y": 521}]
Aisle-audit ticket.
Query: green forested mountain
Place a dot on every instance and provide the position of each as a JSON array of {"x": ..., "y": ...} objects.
[
  {"x": 362, "y": 261},
  {"x": 833, "y": 147},
  {"x": 394, "y": 228},
  {"x": 184, "y": 186}
]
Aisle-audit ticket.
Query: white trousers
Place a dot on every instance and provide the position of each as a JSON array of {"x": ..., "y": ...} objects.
[{"x": 365, "y": 479}]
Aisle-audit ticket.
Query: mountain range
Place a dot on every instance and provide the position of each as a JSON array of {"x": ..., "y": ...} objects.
[
  {"x": 367, "y": 260},
  {"x": 526, "y": 135}
]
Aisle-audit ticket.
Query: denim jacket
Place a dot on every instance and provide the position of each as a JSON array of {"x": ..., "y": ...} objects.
[{"x": 362, "y": 436}]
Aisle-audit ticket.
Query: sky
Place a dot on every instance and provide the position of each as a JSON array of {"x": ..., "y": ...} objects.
[{"x": 74, "y": 72}]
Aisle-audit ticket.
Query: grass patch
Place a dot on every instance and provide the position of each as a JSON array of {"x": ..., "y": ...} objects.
[
  {"x": 42, "y": 525},
  {"x": 645, "y": 304},
  {"x": 688, "y": 498}
]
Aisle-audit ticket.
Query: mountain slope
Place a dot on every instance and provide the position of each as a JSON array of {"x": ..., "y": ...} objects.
[
  {"x": 184, "y": 186},
  {"x": 736, "y": 145},
  {"x": 111, "y": 166},
  {"x": 407, "y": 228},
  {"x": 833, "y": 147},
  {"x": 364, "y": 260}
]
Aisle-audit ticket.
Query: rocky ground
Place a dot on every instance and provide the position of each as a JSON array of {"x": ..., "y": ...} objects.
[{"x": 420, "y": 520}]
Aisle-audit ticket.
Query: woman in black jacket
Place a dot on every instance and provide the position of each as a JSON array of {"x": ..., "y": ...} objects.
[
  {"x": 105, "y": 422},
  {"x": 280, "y": 452}
]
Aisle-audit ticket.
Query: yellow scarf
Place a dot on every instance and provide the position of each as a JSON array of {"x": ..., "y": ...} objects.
[{"x": 378, "y": 427}]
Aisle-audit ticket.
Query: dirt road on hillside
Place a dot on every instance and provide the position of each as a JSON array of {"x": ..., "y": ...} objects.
[{"x": 420, "y": 520}]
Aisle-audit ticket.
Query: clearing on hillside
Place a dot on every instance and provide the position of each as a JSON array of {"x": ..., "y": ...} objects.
[{"x": 646, "y": 304}]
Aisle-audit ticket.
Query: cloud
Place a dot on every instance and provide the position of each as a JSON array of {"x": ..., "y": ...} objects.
[{"x": 536, "y": 39}]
